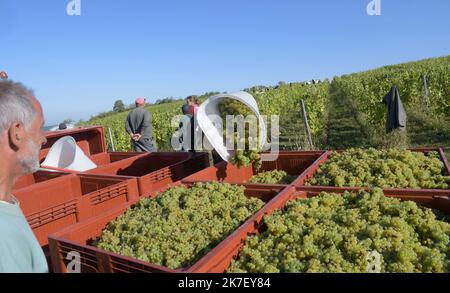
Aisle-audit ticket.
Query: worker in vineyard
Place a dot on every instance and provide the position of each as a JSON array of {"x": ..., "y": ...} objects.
[
  {"x": 21, "y": 138},
  {"x": 194, "y": 104},
  {"x": 139, "y": 126}
]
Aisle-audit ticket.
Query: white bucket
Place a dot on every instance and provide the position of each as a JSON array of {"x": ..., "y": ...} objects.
[
  {"x": 209, "y": 112},
  {"x": 66, "y": 154}
]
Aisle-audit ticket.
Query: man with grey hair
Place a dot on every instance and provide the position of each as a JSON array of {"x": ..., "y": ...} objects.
[{"x": 21, "y": 137}]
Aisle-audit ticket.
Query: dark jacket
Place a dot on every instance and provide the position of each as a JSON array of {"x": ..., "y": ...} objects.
[{"x": 396, "y": 115}]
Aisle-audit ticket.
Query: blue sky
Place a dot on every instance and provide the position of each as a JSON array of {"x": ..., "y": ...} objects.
[{"x": 117, "y": 49}]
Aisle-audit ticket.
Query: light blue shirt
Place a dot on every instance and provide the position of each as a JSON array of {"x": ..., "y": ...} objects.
[{"x": 20, "y": 251}]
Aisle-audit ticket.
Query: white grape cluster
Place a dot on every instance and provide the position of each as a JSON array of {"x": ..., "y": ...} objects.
[
  {"x": 338, "y": 233},
  {"x": 180, "y": 225},
  {"x": 382, "y": 168},
  {"x": 243, "y": 157},
  {"x": 272, "y": 177}
]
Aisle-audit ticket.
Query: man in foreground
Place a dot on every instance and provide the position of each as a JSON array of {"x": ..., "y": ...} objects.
[{"x": 21, "y": 138}]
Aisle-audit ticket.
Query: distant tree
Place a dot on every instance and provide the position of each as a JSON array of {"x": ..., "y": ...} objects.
[
  {"x": 68, "y": 121},
  {"x": 119, "y": 106},
  {"x": 165, "y": 100}
]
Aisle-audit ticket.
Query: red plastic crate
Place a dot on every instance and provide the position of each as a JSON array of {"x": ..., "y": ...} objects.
[
  {"x": 155, "y": 171},
  {"x": 112, "y": 157},
  {"x": 294, "y": 163},
  {"x": 55, "y": 204},
  {"x": 310, "y": 172},
  {"x": 89, "y": 139},
  {"x": 77, "y": 238},
  {"x": 38, "y": 177},
  {"x": 219, "y": 259}
]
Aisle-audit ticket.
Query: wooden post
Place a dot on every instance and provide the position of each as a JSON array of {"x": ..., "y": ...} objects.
[
  {"x": 111, "y": 140},
  {"x": 426, "y": 92},
  {"x": 308, "y": 131}
]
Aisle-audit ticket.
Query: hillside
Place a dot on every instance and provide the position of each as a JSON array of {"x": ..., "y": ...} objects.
[{"x": 344, "y": 113}]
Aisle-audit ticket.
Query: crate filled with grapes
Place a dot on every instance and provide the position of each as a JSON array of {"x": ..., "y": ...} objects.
[
  {"x": 339, "y": 232},
  {"x": 167, "y": 233},
  {"x": 282, "y": 169},
  {"x": 155, "y": 171},
  {"x": 424, "y": 169}
]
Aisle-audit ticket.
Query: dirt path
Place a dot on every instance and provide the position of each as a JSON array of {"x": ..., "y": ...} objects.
[{"x": 343, "y": 129}]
